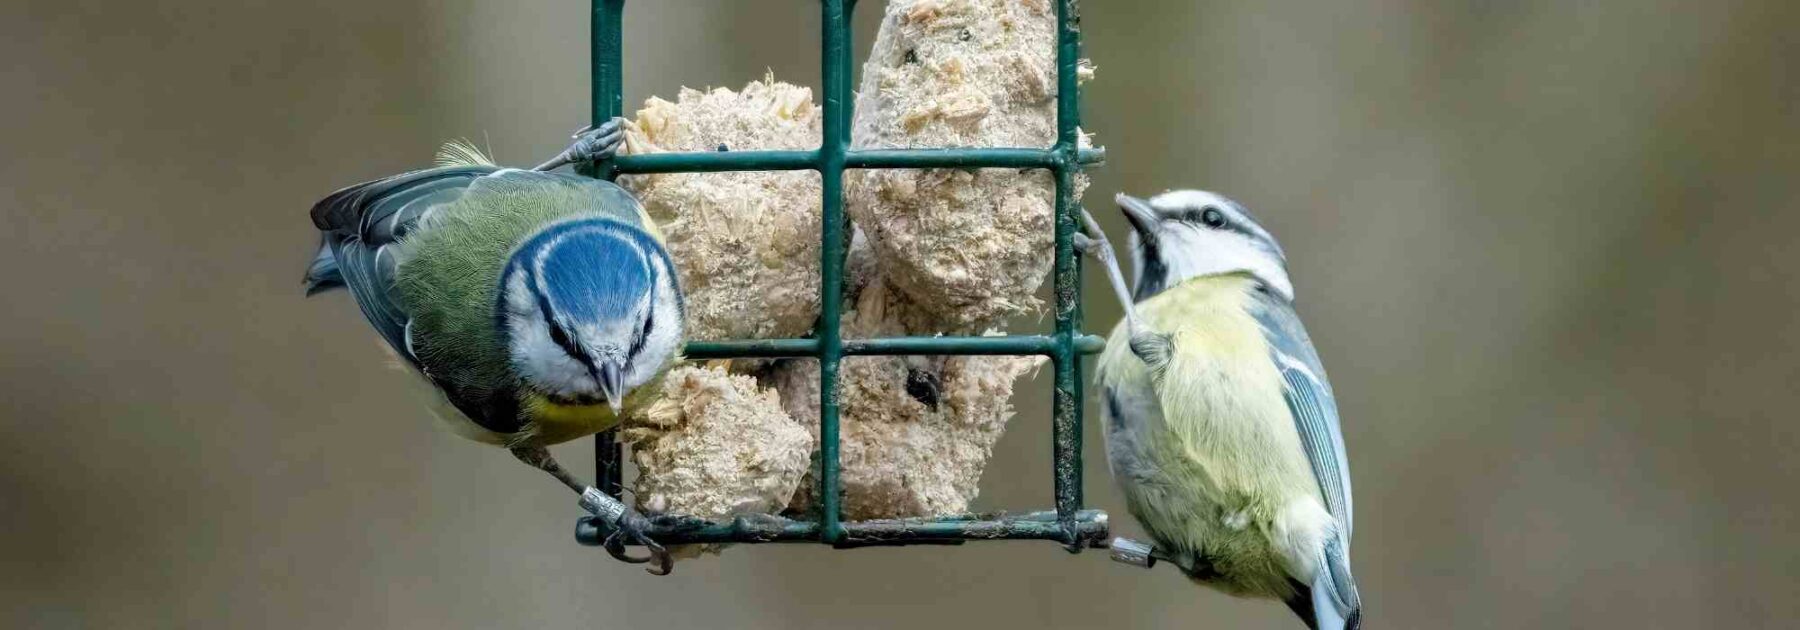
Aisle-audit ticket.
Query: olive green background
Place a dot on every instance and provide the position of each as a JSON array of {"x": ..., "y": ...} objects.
[{"x": 1547, "y": 250}]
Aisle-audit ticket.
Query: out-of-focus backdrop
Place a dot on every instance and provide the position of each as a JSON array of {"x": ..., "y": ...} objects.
[{"x": 1547, "y": 249}]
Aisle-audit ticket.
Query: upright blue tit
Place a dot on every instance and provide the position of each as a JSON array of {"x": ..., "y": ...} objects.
[
  {"x": 1221, "y": 428},
  {"x": 541, "y": 307}
]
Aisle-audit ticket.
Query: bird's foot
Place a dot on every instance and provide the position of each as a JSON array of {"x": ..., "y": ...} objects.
[
  {"x": 634, "y": 528},
  {"x": 1085, "y": 246},
  {"x": 592, "y": 143},
  {"x": 598, "y": 142},
  {"x": 627, "y": 527},
  {"x": 1091, "y": 241}
]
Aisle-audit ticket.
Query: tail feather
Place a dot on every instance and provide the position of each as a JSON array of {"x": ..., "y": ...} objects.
[
  {"x": 1335, "y": 602},
  {"x": 1301, "y": 602},
  {"x": 1327, "y": 613},
  {"x": 323, "y": 274}
]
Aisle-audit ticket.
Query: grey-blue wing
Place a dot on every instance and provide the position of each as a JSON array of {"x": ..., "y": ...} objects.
[
  {"x": 361, "y": 222},
  {"x": 1309, "y": 397},
  {"x": 1127, "y": 412},
  {"x": 322, "y": 274}
]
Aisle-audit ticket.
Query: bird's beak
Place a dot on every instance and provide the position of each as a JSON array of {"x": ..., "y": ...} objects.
[
  {"x": 1140, "y": 214},
  {"x": 611, "y": 378}
]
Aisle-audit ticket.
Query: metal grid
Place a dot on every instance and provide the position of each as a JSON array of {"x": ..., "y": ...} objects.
[{"x": 1069, "y": 523}]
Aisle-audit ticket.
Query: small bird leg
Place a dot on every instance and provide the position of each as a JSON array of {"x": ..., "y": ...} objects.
[
  {"x": 626, "y": 523},
  {"x": 1093, "y": 243},
  {"x": 1151, "y": 347},
  {"x": 539, "y": 457},
  {"x": 591, "y": 144}
]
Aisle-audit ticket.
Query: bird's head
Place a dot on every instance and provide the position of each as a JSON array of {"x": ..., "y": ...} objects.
[
  {"x": 590, "y": 309},
  {"x": 1185, "y": 234}
]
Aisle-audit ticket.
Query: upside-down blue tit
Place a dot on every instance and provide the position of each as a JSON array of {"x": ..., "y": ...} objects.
[
  {"x": 541, "y": 307},
  {"x": 1221, "y": 428}
]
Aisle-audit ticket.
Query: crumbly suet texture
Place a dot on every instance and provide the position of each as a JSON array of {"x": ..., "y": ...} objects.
[
  {"x": 970, "y": 246},
  {"x": 715, "y": 446},
  {"x": 746, "y": 243},
  {"x": 952, "y": 251},
  {"x": 916, "y": 432}
]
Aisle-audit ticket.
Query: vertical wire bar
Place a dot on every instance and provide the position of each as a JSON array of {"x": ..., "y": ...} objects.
[
  {"x": 1066, "y": 426},
  {"x": 835, "y": 59},
  {"x": 607, "y": 61},
  {"x": 606, "y": 100}
]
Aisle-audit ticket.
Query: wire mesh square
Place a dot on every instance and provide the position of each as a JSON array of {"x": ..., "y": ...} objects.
[{"x": 1068, "y": 523}]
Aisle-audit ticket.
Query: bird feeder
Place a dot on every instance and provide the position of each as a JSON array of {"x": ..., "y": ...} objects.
[{"x": 1069, "y": 523}]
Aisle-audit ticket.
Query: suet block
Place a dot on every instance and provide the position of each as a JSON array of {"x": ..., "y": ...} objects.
[
  {"x": 716, "y": 446},
  {"x": 970, "y": 247},
  {"x": 917, "y": 431},
  {"x": 746, "y": 243}
]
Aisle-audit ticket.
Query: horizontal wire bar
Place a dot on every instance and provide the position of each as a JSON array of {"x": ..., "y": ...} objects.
[
  {"x": 752, "y": 348},
  {"x": 888, "y": 346},
  {"x": 712, "y": 162},
  {"x": 717, "y": 161},
  {"x": 965, "y": 158},
  {"x": 1009, "y": 344},
  {"x": 1087, "y": 528}
]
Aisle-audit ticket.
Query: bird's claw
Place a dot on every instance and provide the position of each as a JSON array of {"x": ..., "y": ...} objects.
[
  {"x": 1091, "y": 240},
  {"x": 592, "y": 143},
  {"x": 598, "y": 142},
  {"x": 633, "y": 528},
  {"x": 1084, "y": 245}
]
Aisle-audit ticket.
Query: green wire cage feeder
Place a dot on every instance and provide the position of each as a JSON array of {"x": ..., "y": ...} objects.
[{"x": 1069, "y": 524}]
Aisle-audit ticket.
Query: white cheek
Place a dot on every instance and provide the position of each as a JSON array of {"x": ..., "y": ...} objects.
[
  {"x": 1191, "y": 252},
  {"x": 534, "y": 354},
  {"x": 544, "y": 363}
]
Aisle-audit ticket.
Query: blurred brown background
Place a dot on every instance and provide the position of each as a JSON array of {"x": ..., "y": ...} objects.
[{"x": 1547, "y": 250}]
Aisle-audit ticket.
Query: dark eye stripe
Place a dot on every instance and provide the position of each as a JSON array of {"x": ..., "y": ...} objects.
[
  {"x": 1153, "y": 276},
  {"x": 1209, "y": 217},
  {"x": 643, "y": 334},
  {"x": 558, "y": 334}
]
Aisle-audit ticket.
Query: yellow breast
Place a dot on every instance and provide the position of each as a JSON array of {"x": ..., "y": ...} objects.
[
  {"x": 553, "y": 422},
  {"x": 1219, "y": 441},
  {"x": 1221, "y": 395}
]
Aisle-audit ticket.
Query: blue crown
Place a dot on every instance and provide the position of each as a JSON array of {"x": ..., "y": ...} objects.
[{"x": 588, "y": 270}]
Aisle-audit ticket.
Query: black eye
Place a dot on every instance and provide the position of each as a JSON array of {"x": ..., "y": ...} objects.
[{"x": 1213, "y": 218}]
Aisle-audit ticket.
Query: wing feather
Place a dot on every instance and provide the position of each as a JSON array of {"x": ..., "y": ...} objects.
[
  {"x": 360, "y": 225},
  {"x": 1314, "y": 407}
]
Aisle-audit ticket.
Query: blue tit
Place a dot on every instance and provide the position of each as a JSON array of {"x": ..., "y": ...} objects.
[
  {"x": 1221, "y": 428},
  {"x": 539, "y": 307}
]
